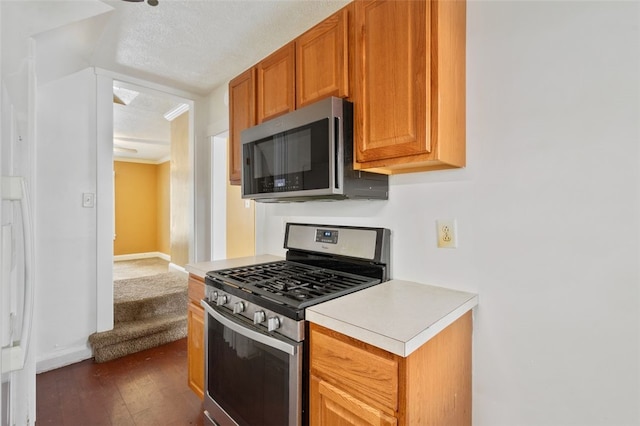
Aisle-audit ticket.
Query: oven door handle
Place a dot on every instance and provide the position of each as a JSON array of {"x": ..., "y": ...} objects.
[{"x": 249, "y": 333}]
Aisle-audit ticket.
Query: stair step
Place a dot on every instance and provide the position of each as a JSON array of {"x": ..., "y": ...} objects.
[
  {"x": 120, "y": 349},
  {"x": 132, "y": 310},
  {"x": 148, "y": 311},
  {"x": 129, "y": 330}
]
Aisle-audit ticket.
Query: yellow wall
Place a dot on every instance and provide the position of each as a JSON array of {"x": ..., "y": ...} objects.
[
  {"x": 241, "y": 240},
  {"x": 164, "y": 208},
  {"x": 135, "y": 208},
  {"x": 152, "y": 202},
  {"x": 180, "y": 190}
]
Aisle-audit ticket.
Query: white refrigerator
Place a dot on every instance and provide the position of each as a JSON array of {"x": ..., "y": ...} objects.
[{"x": 17, "y": 361}]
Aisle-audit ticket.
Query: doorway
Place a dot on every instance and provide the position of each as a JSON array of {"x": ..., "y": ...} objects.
[
  {"x": 126, "y": 133},
  {"x": 151, "y": 163}
]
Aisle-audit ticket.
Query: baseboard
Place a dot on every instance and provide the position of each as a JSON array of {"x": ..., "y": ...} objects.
[
  {"x": 134, "y": 256},
  {"x": 177, "y": 268},
  {"x": 63, "y": 358}
]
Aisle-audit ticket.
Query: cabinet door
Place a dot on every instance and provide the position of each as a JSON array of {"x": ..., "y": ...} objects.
[
  {"x": 195, "y": 348},
  {"x": 362, "y": 370},
  {"x": 322, "y": 60},
  {"x": 332, "y": 406},
  {"x": 196, "y": 289},
  {"x": 392, "y": 75},
  {"x": 242, "y": 115},
  {"x": 276, "y": 83}
]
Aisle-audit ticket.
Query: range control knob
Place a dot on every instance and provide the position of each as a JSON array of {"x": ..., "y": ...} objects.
[
  {"x": 222, "y": 300},
  {"x": 273, "y": 323},
  {"x": 238, "y": 307},
  {"x": 259, "y": 317},
  {"x": 213, "y": 296}
]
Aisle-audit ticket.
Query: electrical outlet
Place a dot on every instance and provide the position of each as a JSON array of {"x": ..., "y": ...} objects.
[{"x": 446, "y": 233}]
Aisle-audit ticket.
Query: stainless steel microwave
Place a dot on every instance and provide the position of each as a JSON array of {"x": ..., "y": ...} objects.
[{"x": 307, "y": 154}]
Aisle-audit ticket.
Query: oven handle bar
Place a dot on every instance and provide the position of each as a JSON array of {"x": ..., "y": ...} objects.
[{"x": 247, "y": 332}]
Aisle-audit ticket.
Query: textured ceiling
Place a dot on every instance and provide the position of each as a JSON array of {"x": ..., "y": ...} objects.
[
  {"x": 191, "y": 45},
  {"x": 139, "y": 124},
  {"x": 197, "y": 45}
]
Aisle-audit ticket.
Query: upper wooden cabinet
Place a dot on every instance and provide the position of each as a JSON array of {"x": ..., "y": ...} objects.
[
  {"x": 402, "y": 63},
  {"x": 312, "y": 67},
  {"x": 276, "y": 83},
  {"x": 409, "y": 96},
  {"x": 322, "y": 60},
  {"x": 242, "y": 115}
]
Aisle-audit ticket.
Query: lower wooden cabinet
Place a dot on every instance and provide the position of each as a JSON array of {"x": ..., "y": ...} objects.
[
  {"x": 354, "y": 383},
  {"x": 332, "y": 406},
  {"x": 195, "y": 336}
]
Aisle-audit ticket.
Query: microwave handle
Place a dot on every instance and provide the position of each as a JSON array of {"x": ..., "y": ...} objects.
[{"x": 247, "y": 332}]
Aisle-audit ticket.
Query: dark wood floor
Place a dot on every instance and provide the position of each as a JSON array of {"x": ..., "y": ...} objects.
[{"x": 147, "y": 388}]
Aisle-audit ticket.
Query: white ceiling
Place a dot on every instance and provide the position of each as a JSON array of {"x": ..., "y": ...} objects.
[
  {"x": 190, "y": 45},
  {"x": 140, "y": 131}
]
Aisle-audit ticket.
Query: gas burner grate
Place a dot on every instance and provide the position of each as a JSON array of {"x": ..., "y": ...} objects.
[
  {"x": 263, "y": 272},
  {"x": 293, "y": 283}
]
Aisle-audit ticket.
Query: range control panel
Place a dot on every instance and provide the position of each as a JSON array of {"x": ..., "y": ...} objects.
[
  {"x": 329, "y": 236},
  {"x": 352, "y": 241}
]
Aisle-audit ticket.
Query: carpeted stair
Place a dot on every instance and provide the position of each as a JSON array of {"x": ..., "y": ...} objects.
[{"x": 148, "y": 312}]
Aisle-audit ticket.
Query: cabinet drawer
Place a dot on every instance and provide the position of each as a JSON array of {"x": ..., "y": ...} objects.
[
  {"x": 196, "y": 289},
  {"x": 356, "y": 369}
]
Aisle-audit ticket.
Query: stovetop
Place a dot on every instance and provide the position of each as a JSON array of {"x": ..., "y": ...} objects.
[
  {"x": 322, "y": 262},
  {"x": 292, "y": 284}
]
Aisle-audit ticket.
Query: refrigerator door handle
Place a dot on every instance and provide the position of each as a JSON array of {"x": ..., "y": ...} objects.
[{"x": 14, "y": 188}]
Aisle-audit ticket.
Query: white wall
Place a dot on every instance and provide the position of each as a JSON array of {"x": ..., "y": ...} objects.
[
  {"x": 17, "y": 133},
  {"x": 66, "y": 233},
  {"x": 547, "y": 211},
  {"x": 212, "y": 119},
  {"x": 219, "y": 179}
]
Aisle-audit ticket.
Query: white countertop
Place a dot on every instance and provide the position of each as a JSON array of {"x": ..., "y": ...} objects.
[
  {"x": 398, "y": 316},
  {"x": 200, "y": 269}
]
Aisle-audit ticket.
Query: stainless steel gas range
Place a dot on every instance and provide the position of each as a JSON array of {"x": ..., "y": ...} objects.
[{"x": 256, "y": 357}]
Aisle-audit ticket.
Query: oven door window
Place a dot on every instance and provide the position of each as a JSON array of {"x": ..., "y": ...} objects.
[
  {"x": 290, "y": 161},
  {"x": 248, "y": 379}
]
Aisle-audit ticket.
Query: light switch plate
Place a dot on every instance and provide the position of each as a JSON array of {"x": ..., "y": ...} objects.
[{"x": 88, "y": 200}]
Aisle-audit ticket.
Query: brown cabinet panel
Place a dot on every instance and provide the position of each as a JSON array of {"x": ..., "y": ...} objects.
[
  {"x": 358, "y": 369},
  {"x": 332, "y": 406},
  {"x": 276, "y": 83},
  {"x": 196, "y": 289},
  {"x": 432, "y": 386},
  {"x": 195, "y": 348},
  {"x": 314, "y": 66},
  {"x": 392, "y": 69},
  {"x": 242, "y": 115},
  {"x": 440, "y": 373},
  {"x": 322, "y": 60},
  {"x": 402, "y": 63},
  {"x": 195, "y": 335},
  {"x": 409, "y": 85}
]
